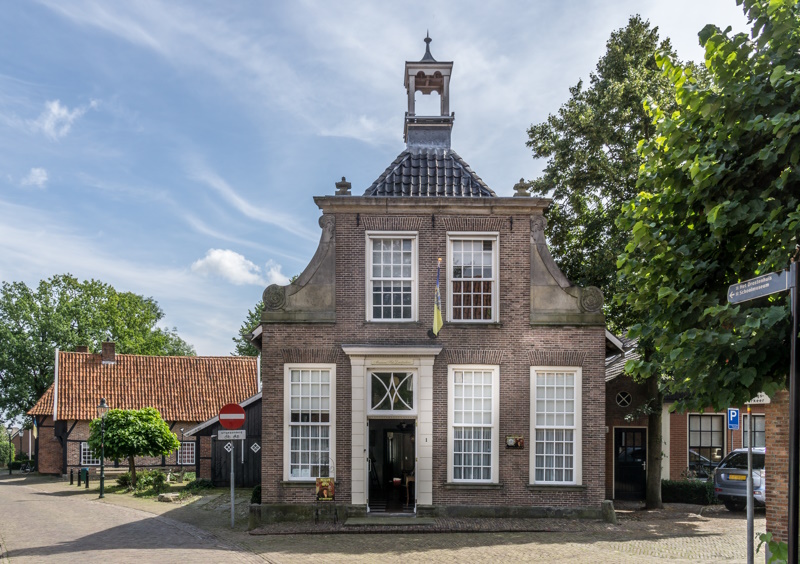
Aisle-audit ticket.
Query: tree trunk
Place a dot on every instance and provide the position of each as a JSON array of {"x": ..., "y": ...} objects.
[
  {"x": 132, "y": 470},
  {"x": 654, "y": 444}
]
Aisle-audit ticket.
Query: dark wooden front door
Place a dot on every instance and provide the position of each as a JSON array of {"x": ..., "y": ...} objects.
[{"x": 630, "y": 456}]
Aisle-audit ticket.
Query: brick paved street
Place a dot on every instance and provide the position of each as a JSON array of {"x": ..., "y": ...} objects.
[{"x": 126, "y": 529}]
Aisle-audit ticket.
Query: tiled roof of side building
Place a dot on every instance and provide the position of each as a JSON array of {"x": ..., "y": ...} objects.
[
  {"x": 430, "y": 172},
  {"x": 181, "y": 388}
]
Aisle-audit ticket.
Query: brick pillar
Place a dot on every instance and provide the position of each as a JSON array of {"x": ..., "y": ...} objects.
[{"x": 777, "y": 465}]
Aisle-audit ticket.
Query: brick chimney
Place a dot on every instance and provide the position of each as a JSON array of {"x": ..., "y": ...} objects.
[
  {"x": 109, "y": 354},
  {"x": 82, "y": 348}
]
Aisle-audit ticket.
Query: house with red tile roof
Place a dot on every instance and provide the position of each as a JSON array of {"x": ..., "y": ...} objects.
[{"x": 186, "y": 390}]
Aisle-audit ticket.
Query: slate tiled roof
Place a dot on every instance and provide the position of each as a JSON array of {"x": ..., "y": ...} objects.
[
  {"x": 181, "y": 388},
  {"x": 430, "y": 172},
  {"x": 615, "y": 365}
]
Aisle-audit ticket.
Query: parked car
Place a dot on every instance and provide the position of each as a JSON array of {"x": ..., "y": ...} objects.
[{"x": 730, "y": 479}]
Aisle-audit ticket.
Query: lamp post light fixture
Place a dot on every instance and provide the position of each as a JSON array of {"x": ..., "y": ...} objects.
[{"x": 102, "y": 411}]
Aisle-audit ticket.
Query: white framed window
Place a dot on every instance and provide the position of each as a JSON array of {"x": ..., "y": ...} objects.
[
  {"x": 556, "y": 425},
  {"x": 473, "y": 260},
  {"x": 473, "y": 416},
  {"x": 186, "y": 452},
  {"x": 392, "y": 392},
  {"x": 759, "y": 431},
  {"x": 87, "y": 458},
  {"x": 309, "y": 442},
  {"x": 391, "y": 266}
]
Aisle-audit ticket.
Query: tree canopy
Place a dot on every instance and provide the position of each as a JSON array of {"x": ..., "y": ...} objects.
[
  {"x": 243, "y": 346},
  {"x": 63, "y": 312},
  {"x": 593, "y": 165},
  {"x": 130, "y": 433},
  {"x": 718, "y": 204}
]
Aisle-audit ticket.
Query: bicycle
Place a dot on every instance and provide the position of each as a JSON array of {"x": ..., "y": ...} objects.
[{"x": 28, "y": 467}]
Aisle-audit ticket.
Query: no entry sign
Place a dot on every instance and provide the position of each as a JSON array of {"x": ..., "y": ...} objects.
[{"x": 231, "y": 416}]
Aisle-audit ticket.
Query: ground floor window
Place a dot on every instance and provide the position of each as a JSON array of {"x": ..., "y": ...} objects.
[
  {"x": 759, "y": 431},
  {"x": 186, "y": 453},
  {"x": 555, "y": 425},
  {"x": 706, "y": 439},
  {"x": 473, "y": 423},
  {"x": 87, "y": 458},
  {"x": 309, "y": 411}
]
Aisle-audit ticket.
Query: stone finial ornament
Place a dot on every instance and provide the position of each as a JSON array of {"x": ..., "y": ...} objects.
[
  {"x": 343, "y": 187},
  {"x": 274, "y": 297},
  {"x": 521, "y": 188},
  {"x": 538, "y": 223}
]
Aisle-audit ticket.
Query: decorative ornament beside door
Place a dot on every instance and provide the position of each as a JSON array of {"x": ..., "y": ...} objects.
[{"x": 623, "y": 399}]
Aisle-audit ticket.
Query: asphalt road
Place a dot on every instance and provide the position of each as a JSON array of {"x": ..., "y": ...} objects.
[{"x": 39, "y": 525}]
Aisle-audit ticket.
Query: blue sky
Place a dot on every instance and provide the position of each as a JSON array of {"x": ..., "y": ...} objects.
[{"x": 173, "y": 148}]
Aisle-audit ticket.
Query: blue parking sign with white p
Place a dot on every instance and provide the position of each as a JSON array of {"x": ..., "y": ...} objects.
[{"x": 733, "y": 418}]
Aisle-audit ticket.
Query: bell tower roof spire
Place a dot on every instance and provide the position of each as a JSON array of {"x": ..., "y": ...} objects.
[
  {"x": 428, "y": 56},
  {"x": 428, "y": 75}
]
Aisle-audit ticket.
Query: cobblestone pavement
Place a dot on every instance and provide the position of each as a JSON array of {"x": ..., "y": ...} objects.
[
  {"x": 45, "y": 524},
  {"x": 200, "y": 532}
]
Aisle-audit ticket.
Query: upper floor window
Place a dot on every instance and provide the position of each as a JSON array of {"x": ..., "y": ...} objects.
[
  {"x": 473, "y": 260},
  {"x": 391, "y": 276}
]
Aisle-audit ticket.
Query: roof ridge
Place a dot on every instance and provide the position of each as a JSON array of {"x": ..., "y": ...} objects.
[
  {"x": 472, "y": 173},
  {"x": 390, "y": 169}
]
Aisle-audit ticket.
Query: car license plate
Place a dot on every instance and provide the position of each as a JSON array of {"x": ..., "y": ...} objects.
[{"x": 741, "y": 477}]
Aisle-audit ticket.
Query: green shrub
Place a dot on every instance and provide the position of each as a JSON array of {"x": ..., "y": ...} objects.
[
  {"x": 22, "y": 457},
  {"x": 124, "y": 480},
  {"x": 15, "y": 465},
  {"x": 160, "y": 482},
  {"x": 256, "y": 497},
  {"x": 198, "y": 485},
  {"x": 687, "y": 491},
  {"x": 150, "y": 480}
]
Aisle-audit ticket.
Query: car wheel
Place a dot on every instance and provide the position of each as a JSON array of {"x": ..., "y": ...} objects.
[{"x": 735, "y": 505}]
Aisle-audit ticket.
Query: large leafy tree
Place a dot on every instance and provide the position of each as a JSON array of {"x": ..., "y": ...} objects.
[
  {"x": 6, "y": 448},
  {"x": 243, "y": 346},
  {"x": 63, "y": 312},
  {"x": 593, "y": 166},
  {"x": 719, "y": 203},
  {"x": 591, "y": 172},
  {"x": 130, "y": 433}
]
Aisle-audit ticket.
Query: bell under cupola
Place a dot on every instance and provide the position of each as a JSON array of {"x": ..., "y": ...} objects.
[{"x": 427, "y": 76}]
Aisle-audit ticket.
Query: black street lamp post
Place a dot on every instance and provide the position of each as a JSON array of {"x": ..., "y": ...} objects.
[{"x": 102, "y": 410}]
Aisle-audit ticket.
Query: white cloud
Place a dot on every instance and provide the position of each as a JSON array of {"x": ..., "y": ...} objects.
[
  {"x": 36, "y": 177},
  {"x": 229, "y": 265},
  {"x": 274, "y": 274},
  {"x": 293, "y": 225},
  {"x": 56, "y": 120},
  {"x": 365, "y": 129}
]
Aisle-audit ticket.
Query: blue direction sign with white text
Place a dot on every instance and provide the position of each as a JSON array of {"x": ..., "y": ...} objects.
[
  {"x": 733, "y": 418},
  {"x": 758, "y": 287}
]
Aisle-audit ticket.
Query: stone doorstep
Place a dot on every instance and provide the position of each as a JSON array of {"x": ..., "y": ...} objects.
[{"x": 389, "y": 521}]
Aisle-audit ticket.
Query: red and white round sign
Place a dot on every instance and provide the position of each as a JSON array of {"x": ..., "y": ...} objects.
[{"x": 231, "y": 416}]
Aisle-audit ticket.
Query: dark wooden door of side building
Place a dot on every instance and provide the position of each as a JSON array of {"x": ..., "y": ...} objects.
[
  {"x": 630, "y": 463},
  {"x": 248, "y": 474}
]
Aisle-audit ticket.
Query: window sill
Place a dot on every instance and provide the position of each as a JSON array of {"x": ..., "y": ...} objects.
[
  {"x": 495, "y": 324},
  {"x": 556, "y": 487},
  {"x": 301, "y": 483},
  {"x": 391, "y": 322},
  {"x": 472, "y": 486}
]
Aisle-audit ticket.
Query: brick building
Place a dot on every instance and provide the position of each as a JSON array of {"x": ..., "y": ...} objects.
[
  {"x": 502, "y": 413},
  {"x": 185, "y": 390},
  {"x": 693, "y": 442}
]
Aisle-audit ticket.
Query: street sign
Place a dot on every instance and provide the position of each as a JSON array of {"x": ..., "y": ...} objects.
[
  {"x": 231, "y": 435},
  {"x": 231, "y": 416},
  {"x": 758, "y": 287},
  {"x": 733, "y": 418},
  {"x": 761, "y": 398}
]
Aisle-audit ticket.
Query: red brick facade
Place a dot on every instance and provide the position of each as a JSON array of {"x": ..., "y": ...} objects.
[
  {"x": 777, "y": 465},
  {"x": 512, "y": 343}
]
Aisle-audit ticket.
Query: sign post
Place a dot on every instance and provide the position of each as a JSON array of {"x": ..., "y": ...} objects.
[
  {"x": 231, "y": 416},
  {"x": 763, "y": 286}
]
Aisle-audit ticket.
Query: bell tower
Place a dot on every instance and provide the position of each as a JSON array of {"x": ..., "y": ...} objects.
[{"x": 426, "y": 76}]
